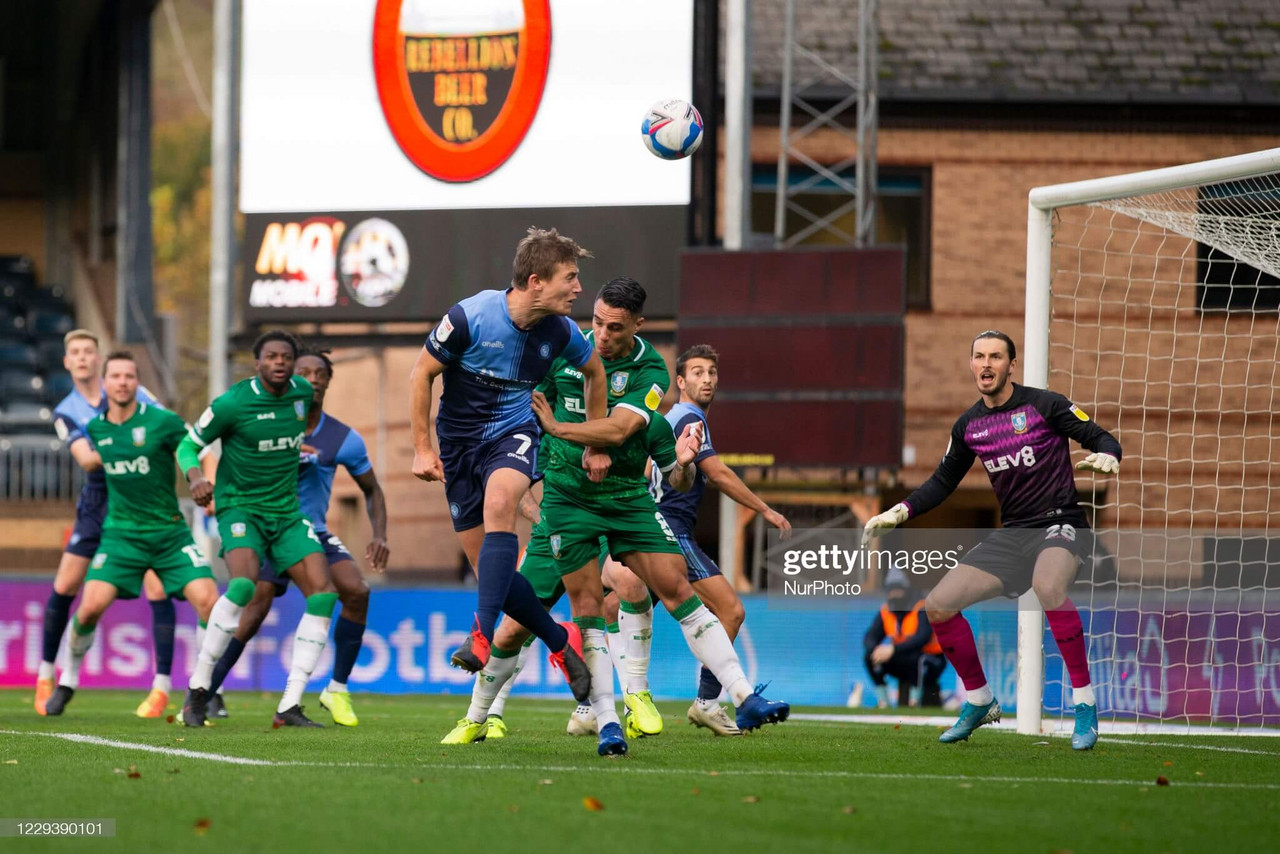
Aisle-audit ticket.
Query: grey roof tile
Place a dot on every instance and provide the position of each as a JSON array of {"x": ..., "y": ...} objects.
[{"x": 1186, "y": 51}]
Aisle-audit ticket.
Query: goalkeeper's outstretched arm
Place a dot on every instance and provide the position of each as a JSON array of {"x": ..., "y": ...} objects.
[{"x": 954, "y": 466}]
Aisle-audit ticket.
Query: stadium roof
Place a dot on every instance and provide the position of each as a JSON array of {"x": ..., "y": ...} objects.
[{"x": 1184, "y": 52}]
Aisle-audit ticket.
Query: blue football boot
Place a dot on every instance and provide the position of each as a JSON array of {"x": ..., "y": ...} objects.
[
  {"x": 1085, "y": 735},
  {"x": 971, "y": 717},
  {"x": 612, "y": 742},
  {"x": 756, "y": 711}
]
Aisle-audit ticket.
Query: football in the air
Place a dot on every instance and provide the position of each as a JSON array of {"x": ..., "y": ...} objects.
[{"x": 672, "y": 129}]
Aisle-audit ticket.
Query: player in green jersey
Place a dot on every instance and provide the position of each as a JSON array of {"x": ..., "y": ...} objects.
[
  {"x": 144, "y": 530},
  {"x": 552, "y": 573},
  {"x": 261, "y": 422},
  {"x": 578, "y": 511}
]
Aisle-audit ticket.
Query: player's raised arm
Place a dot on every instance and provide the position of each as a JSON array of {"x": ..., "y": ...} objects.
[
  {"x": 675, "y": 460},
  {"x": 426, "y": 462},
  {"x": 609, "y": 432},
  {"x": 682, "y": 476},
  {"x": 728, "y": 482},
  {"x": 954, "y": 466}
]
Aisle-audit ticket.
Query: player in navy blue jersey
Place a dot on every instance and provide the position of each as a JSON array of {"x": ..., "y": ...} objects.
[
  {"x": 86, "y": 402},
  {"x": 1021, "y": 436},
  {"x": 492, "y": 350},
  {"x": 698, "y": 377},
  {"x": 327, "y": 444}
]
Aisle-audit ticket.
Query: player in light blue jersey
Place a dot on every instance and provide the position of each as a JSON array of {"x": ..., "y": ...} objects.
[
  {"x": 86, "y": 402},
  {"x": 327, "y": 444},
  {"x": 492, "y": 349},
  {"x": 698, "y": 377}
]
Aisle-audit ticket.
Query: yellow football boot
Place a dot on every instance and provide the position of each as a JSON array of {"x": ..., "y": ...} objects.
[
  {"x": 466, "y": 732},
  {"x": 642, "y": 718},
  {"x": 338, "y": 704}
]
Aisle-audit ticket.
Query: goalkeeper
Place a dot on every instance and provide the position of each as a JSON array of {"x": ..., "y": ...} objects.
[{"x": 1020, "y": 434}]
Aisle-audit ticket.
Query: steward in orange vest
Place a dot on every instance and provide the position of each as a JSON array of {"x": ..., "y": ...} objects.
[{"x": 901, "y": 644}]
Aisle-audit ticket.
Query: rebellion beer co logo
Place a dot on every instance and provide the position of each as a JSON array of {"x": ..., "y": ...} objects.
[{"x": 460, "y": 82}]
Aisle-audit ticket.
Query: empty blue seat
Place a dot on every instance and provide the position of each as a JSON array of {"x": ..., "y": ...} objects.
[
  {"x": 50, "y": 321},
  {"x": 17, "y": 265},
  {"x": 50, "y": 352},
  {"x": 50, "y": 299},
  {"x": 57, "y": 385},
  {"x": 18, "y": 385},
  {"x": 16, "y": 353},
  {"x": 27, "y": 417},
  {"x": 12, "y": 321},
  {"x": 16, "y": 292}
]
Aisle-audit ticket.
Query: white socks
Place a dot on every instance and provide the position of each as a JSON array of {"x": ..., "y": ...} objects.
[
  {"x": 595, "y": 651},
  {"x": 162, "y": 682},
  {"x": 308, "y": 643},
  {"x": 77, "y": 645},
  {"x": 224, "y": 619},
  {"x": 47, "y": 670},
  {"x": 979, "y": 696},
  {"x": 618, "y": 657},
  {"x": 200, "y": 633},
  {"x": 500, "y": 702},
  {"x": 489, "y": 681},
  {"x": 710, "y": 644},
  {"x": 1083, "y": 695},
  {"x": 636, "y": 631},
  {"x": 336, "y": 687}
]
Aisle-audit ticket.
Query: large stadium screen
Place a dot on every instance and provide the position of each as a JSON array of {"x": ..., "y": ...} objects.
[{"x": 392, "y": 152}]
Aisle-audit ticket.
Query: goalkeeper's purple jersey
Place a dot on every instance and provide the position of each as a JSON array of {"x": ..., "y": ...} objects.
[{"x": 1023, "y": 445}]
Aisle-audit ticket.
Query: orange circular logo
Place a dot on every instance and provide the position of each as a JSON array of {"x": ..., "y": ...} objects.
[{"x": 460, "y": 83}]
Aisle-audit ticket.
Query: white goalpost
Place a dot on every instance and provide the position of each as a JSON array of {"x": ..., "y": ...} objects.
[{"x": 1152, "y": 302}]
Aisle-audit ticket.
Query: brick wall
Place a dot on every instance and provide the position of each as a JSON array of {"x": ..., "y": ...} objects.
[{"x": 981, "y": 181}]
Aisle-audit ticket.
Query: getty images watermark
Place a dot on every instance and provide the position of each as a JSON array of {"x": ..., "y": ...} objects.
[
  {"x": 829, "y": 567},
  {"x": 834, "y": 569}
]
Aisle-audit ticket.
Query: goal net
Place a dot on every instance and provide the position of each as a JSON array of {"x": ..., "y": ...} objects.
[{"x": 1163, "y": 290}]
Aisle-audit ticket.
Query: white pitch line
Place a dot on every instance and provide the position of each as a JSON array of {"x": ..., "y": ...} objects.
[
  {"x": 1213, "y": 747},
  {"x": 737, "y": 772},
  {"x": 1010, "y": 724},
  {"x": 182, "y": 752}
]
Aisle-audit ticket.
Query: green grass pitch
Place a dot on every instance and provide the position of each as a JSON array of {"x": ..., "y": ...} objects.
[{"x": 389, "y": 785}]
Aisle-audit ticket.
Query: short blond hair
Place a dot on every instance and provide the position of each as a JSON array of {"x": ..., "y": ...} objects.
[{"x": 77, "y": 334}]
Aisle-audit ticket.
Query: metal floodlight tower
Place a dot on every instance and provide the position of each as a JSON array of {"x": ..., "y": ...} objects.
[{"x": 849, "y": 92}]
